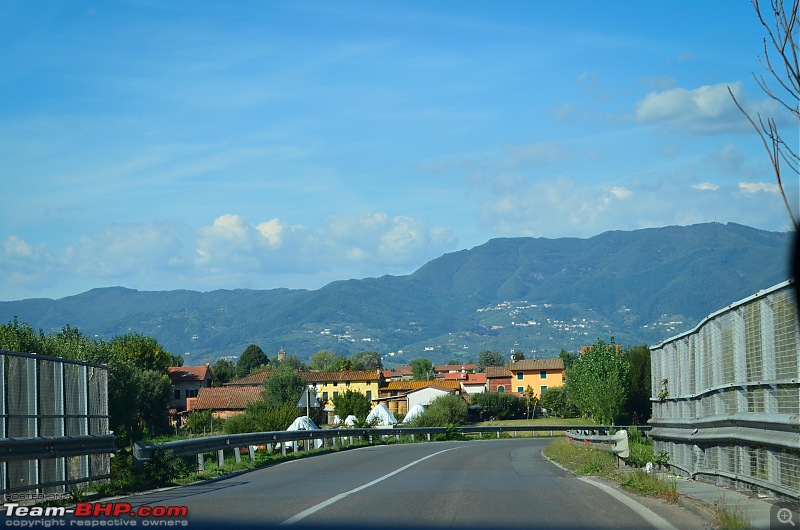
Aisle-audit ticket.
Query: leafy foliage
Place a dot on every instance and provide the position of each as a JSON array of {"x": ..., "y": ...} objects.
[
  {"x": 351, "y": 402},
  {"x": 326, "y": 361},
  {"x": 597, "y": 381},
  {"x": 555, "y": 400},
  {"x": 445, "y": 410},
  {"x": 284, "y": 386},
  {"x": 501, "y": 405},
  {"x": 252, "y": 358},
  {"x": 489, "y": 358},
  {"x": 222, "y": 371},
  {"x": 366, "y": 360},
  {"x": 422, "y": 369}
]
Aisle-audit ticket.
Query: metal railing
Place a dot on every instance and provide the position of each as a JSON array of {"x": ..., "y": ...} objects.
[
  {"x": 283, "y": 440},
  {"x": 617, "y": 443},
  {"x": 53, "y": 424},
  {"x": 726, "y": 395}
]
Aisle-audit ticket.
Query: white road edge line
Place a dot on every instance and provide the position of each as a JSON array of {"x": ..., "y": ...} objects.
[
  {"x": 646, "y": 513},
  {"x": 305, "y": 513}
]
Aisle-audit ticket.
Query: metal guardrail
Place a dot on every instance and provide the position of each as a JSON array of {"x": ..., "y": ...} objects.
[
  {"x": 15, "y": 449},
  {"x": 617, "y": 443},
  {"x": 143, "y": 452}
]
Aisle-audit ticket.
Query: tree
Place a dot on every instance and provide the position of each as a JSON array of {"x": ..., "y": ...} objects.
[
  {"x": 252, "y": 358},
  {"x": 326, "y": 361},
  {"x": 155, "y": 391},
  {"x": 530, "y": 400},
  {"x": 445, "y": 410},
  {"x": 222, "y": 371},
  {"x": 597, "y": 381},
  {"x": 351, "y": 402},
  {"x": 518, "y": 355},
  {"x": 422, "y": 369},
  {"x": 781, "y": 31},
  {"x": 556, "y": 402},
  {"x": 568, "y": 358},
  {"x": 284, "y": 386},
  {"x": 145, "y": 352},
  {"x": 501, "y": 405},
  {"x": 367, "y": 360},
  {"x": 489, "y": 358},
  {"x": 639, "y": 385},
  {"x": 291, "y": 362}
]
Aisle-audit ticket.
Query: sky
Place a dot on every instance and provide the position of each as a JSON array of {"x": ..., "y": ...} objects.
[{"x": 222, "y": 145}]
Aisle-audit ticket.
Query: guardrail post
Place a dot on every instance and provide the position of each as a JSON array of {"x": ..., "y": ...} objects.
[
  {"x": 201, "y": 466},
  {"x": 220, "y": 458},
  {"x": 237, "y": 453},
  {"x": 283, "y": 448},
  {"x": 412, "y": 437},
  {"x": 498, "y": 434},
  {"x": 252, "y": 451},
  {"x": 429, "y": 437},
  {"x": 142, "y": 452}
]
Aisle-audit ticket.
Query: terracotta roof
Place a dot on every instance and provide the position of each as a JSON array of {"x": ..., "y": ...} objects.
[
  {"x": 414, "y": 385},
  {"x": 344, "y": 375},
  {"x": 538, "y": 364},
  {"x": 456, "y": 376},
  {"x": 187, "y": 373},
  {"x": 455, "y": 367},
  {"x": 475, "y": 379},
  {"x": 226, "y": 398},
  {"x": 256, "y": 379},
  {"x": 436, "y": 386},
  {"x": 497, "y": 371}
]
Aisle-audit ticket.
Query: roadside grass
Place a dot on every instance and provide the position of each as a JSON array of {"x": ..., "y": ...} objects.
[
  {"x": 584, "y": 460},
  {"x": 729, "y": 518}
]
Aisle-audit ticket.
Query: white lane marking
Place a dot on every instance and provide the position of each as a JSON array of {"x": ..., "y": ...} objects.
[
  {"x": 305, "y": 513},
  {"x": 646, "y": 513}
]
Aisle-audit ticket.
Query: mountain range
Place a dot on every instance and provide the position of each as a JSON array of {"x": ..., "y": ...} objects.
[{"x": 534, "y": 295}]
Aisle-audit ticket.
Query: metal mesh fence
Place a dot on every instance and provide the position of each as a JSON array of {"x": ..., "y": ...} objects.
[
  {"x": 737, "y": 370},
  {"x": 46, "y": 397}
]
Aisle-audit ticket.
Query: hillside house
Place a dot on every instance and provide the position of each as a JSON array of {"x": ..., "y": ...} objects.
[
  {"x": 330, "y": 384},
  {"x": 186, "y": 383},
  {"x": 395, "y": 394},
  {"x": 498, "y": 379}
]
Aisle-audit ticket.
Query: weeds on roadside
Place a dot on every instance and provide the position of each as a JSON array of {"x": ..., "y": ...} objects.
[
  {"x": 729, "y": 519},
  {"x": 651, "y": 485}
]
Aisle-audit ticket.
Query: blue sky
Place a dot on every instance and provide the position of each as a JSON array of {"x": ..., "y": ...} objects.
[{"x": 210, "y": 145}]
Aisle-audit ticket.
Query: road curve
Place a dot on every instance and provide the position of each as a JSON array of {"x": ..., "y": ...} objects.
[{"x": 482, "y": 484}]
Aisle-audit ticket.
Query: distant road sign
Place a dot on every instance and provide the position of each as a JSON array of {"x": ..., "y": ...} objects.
[{"x": 309, "y": 398}]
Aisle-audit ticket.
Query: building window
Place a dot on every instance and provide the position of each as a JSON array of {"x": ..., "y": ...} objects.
[
  {"x": 519, "y": 376},
  {"x": 335, "y": 384},
  {"x": 542, "y": 390},
  {"x": 335, "y": 395},
  {"x": 369, "y": 395},
  {"x": 191, "y": 393},
  {"x": 542, "y": 374},
  {"x": 324, "y": 397},
  {"x": 501, "y": 388},
  {"x": 347, "y": 383}
]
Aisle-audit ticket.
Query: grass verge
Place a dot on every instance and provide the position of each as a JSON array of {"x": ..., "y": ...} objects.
[{"x": 583, "y": 460}]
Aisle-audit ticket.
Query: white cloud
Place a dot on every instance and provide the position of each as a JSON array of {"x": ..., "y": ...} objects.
[
  {"x": 706, "y": 186},
  {"x": 708, "y": 109},
  {"x": 755, "y": 187},
  {"x": 619, "y": 192}
]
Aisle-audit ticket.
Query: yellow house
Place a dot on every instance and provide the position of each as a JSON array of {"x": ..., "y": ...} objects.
[
  {"x": 330, "y": 384},
  {"x": 539, "y": 374}
]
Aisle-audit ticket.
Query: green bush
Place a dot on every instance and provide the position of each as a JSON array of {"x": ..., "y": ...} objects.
[{"x": 442, "y": 411}]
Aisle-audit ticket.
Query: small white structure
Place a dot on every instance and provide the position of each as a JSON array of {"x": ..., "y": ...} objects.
[
  {"x": 384, "y": 416},
  {"x": 415, "y": 411},
  {"x": 425, "y": 395},
  {"x": 304, "y": 423}
]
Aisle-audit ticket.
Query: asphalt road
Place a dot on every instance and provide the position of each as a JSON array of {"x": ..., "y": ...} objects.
[{"x": 483, "y": 484}]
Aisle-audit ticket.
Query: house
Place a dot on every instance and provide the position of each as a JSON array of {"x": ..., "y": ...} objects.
[
  {"x": 425, "y": 395},
  {"x": 473, "y": 384},
  {"x": 186, "y": 383},
  {"x": 442, "y": 371},
  {"x": 498, "y": 379},
  {"x": 225, "y": 401},
  {"x": 398, "y": 373},
  {"x": 255, "y": 379},
  {"x": 539, "y": 374},
  {"x": 329, "y": 385}
]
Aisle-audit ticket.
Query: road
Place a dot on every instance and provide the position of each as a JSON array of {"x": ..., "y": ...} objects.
[{"x": 482, "y": 484}]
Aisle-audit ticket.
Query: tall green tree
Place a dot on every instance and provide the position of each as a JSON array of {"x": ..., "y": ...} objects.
[
  {"x": 326, "y": 361},
  {"x": 251, "y": 359},
  {"x": 489, "y": 358},
  {"x": 367, "y": 360},
  {"x": 351, "y": 402},
  {"x": 568, "y": 358},
  {"x": 422, "y": 369},
  {"x": 222, "y": 371},
  {"x": 155, "y": 391},
  {"x": 502, "y": 405},
  {"x": 597, "y": 382},
  {"x": 284, "y": 386},
  {"x": 638, "y": 406},
  {"x": 145, "y": 352}
]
